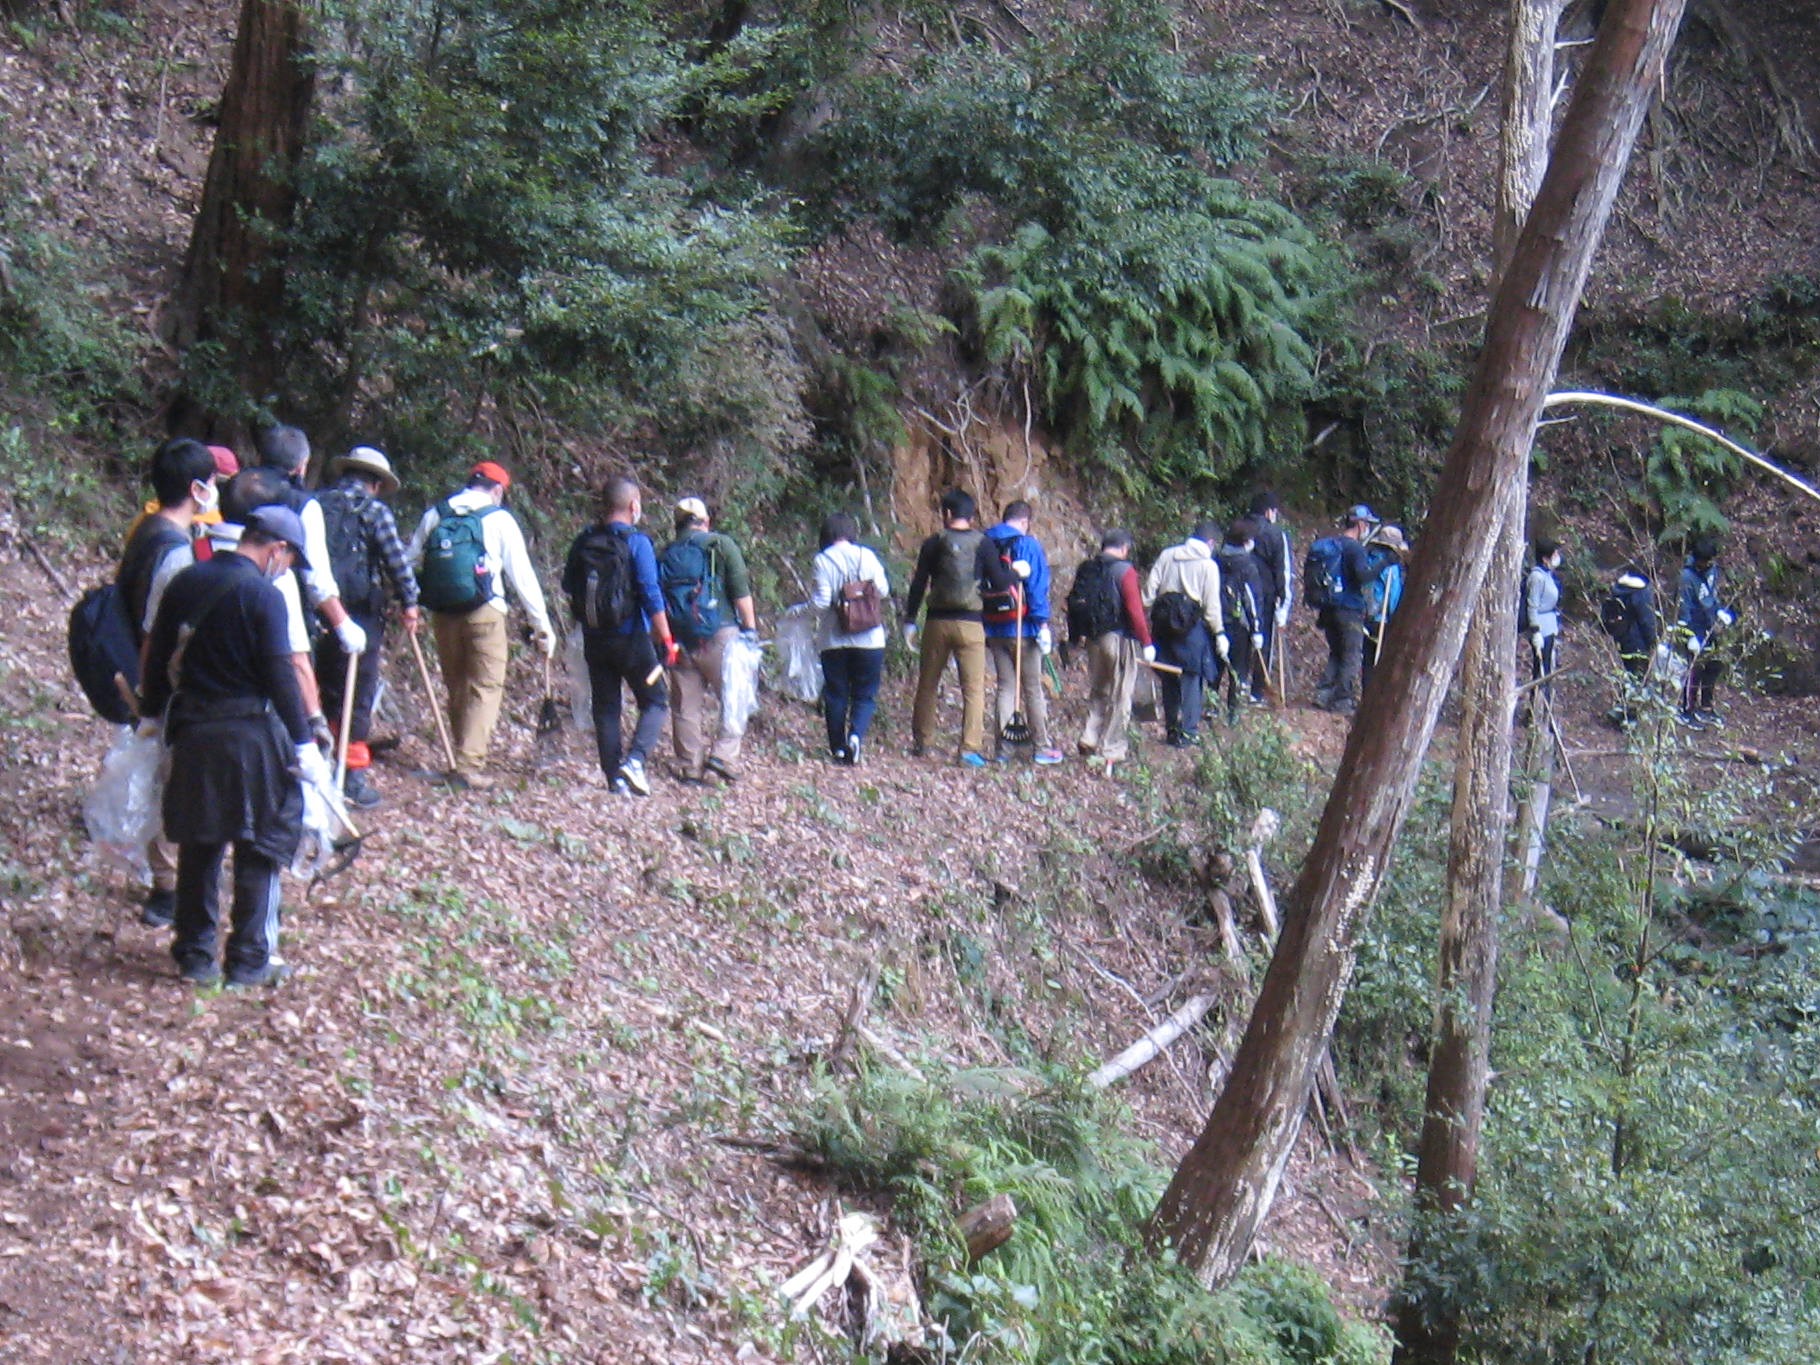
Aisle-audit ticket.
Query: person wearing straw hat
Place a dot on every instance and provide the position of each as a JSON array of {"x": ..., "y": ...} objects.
[
  {"x": 219, "y": 678},
  {"x": 1387, "y": 552},
  {"x": 371, "y": 566}
]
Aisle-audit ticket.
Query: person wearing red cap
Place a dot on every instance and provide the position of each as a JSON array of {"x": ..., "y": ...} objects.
[{"x": 467, "y": 551}]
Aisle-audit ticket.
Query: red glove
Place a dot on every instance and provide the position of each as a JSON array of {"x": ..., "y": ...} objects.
[{"x": 672, "y": 652}]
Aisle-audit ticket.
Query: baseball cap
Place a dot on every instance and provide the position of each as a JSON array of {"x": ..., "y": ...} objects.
[
  {"x": 486, "y": 469},
  {"x": 278, "y": 522},
  {"x": 692, "y": 507},
  {"x": 1360, "y": 512},
  {"x": 227, "y": 464}
]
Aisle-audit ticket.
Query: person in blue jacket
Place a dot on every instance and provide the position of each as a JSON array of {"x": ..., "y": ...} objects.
[
  {"x": 1009, "y": 631},
  {"x": 1387, "y": 551},
  {"x": 1703, "y": 615}
]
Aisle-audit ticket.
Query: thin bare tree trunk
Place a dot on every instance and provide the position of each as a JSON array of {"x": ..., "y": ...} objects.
[
  {"x": 1459, "y": 1060},
  {"x": 231, "y": 285},
  {"x": 1224, "y": 1186}
]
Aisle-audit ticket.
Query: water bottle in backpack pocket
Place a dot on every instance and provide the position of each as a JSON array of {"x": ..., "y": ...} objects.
[{"x": 1323, "y": 574}]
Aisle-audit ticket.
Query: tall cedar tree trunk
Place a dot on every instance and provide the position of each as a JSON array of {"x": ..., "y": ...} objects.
[
  {"x": 231, "y": 284},
  {"x": 1459, "y": 1060},
  {"x": 1224, "y": 1186}
]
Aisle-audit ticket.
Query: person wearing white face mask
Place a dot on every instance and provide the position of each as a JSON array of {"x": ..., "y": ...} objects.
[{"x": 158, "y": 548}]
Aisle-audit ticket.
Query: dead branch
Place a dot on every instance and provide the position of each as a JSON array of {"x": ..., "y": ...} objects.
[
  {"x": 1153, "y": 1043},
  {"x": 987, "y": 1227}
]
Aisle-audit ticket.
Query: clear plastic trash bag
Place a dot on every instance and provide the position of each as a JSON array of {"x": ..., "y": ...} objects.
[
  {"x": 740, "y": 664},
  {"x": 123, "y": 809},
  {"x": 325, "y": 819},
  {"x": 581, "y": 689},
  {"x": 802, "y": 660}
]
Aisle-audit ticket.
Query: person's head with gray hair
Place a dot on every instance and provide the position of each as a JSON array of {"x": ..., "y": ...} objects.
[{"x": 284, "y": 447}]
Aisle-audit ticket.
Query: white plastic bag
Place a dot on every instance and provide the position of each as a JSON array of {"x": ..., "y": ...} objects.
[
  {"x": 739, "y": 668},
  {"x": 802, "y": 660},
  {"x": 123, "y": 809},
  {"x": 581, "y": 688}
]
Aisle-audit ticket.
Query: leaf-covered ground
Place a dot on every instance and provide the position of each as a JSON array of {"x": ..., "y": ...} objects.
[{"x": 484, "y": 1118}]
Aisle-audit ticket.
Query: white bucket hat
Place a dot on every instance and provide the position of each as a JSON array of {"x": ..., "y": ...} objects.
[{"x": 367, "y": 460}]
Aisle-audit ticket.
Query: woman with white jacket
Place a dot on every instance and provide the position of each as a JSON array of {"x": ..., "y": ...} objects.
[{"x": 853, "y": 661}]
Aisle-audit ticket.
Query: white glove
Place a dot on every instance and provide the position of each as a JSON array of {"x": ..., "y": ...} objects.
[
  {"x": 1535, "y": 641},
  {"x": 1282, "y": 613},
  {"x": 1725, "y": 616},
  {"x": 546, "y": 641},
  {"x": 1021, "y": 567},
  {"x": 1693, "y": 646},
  {"x": 313, "y": 767},
  {"x": 1222, "y": 646},
  {"x": 1257, "y": 644},
  {"x": 353, "y": 638},
  {"x": 1149, "y": 654},
  {"x": 1045, "y": 638},
  {"x": 910, "y": 635},
  {"x": 149, "y": 728},
  {"x": 1662, "y": 651}
]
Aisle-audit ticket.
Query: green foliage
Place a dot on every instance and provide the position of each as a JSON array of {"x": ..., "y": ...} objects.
[
  {"x": 64, "y": 353},
  {"x": 1686, "y": 475},
  {"x": 486, "y": 228},
  {"x": 1072, "y": 1284},
  {"x": 1647, "y": 1164},
  {"x": 1166, "y": 318}
]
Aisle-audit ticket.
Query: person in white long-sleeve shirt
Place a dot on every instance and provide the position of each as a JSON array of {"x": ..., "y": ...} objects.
[
  {"x": 286, "y": 450},
  {"x": 468, "y": 611},
  {"x": 852, "y": 662}
]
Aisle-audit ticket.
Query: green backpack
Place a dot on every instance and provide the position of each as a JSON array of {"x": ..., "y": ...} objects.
[{"x": 457, "y": 575}]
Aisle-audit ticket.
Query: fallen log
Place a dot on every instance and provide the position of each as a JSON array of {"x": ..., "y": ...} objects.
[
  {"x": 987, "y": 1227},
  {"x": 1152, "y": 1044}
]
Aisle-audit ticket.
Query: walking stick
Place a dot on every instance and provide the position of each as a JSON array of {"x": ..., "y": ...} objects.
[
  {"x": 1279, "y": 646},
  {"x": 429, "y": 692},
  {"x": 347, "y": 725}
]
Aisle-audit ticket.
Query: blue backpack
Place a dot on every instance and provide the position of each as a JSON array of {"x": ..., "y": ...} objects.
[{"x": 693, "y": 596}]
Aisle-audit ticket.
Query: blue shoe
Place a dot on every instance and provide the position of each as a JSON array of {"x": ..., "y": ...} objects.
[
  {"x": 972, "y": 760},
  {"x": 1048, "y": 758}
]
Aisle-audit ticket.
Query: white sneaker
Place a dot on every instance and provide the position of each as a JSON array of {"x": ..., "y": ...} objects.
[{"x": 632, "y": 773}]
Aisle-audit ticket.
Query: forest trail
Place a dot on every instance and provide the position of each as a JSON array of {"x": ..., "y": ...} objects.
[{"x": 484, "y": 1115}]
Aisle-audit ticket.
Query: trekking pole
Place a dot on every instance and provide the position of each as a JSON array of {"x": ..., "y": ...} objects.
[
  {"x": 429, "y": 693},
  {"x": 347, "y": 725},
  {"x": 1279, "y": 646}
]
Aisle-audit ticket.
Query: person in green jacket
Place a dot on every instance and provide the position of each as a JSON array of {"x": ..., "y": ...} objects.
[{"x": 708, "y": 595}]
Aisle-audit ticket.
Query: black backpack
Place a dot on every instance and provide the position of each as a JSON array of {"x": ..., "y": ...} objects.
[
  {"x": 102, "y": 650},
  {"x": 1323, "y": 573},
  {"x": 347, "y": 520},
  {"x": 1173, "y": 615},
  {"x": 1094, "y": 603},
  {"x": 601, "y": 596}
]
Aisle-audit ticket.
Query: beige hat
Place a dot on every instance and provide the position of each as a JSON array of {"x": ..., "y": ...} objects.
[
  {"x": 1391, "y": 536},
  {"x": 366, "y": 460},
  {"x": 692, "y": 507}
]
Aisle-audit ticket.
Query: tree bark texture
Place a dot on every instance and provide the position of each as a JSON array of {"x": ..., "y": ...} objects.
[
  {"x": 1224, "y": 1186},
  {"x": 231, "y": 286},
  {"x": 1459, "y": 1059}
]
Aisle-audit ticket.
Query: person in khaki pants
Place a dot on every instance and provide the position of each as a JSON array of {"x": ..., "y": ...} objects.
[
  {"x": 1113, "y": 653},
  {"x": 468, "y": 550},
  {"x": 698, "y": 669},
  {"x": 952, "y": 567}
]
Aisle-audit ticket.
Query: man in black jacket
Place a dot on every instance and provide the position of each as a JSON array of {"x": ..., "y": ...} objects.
[
  {"x": 219, "y": 670},
  {"x": 1246, "y": 608},
  {"x": 1276, "y": 560}
]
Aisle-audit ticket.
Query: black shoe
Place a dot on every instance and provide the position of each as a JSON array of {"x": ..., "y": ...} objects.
[
  {"x": 360, "y": 791},
  {"x": 721, "y": 769},
  {"x": 159, "y": 910},
  {"x": 1690, "y": 720},
  {"x": 201, "y": 974},
  {"x": 272, "y": 974}
]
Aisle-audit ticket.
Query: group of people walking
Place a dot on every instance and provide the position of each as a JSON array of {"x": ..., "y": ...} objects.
[{"x": 257, "y": 613}]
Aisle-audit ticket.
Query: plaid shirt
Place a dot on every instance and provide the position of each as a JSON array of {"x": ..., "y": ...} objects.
[{"x": 384, "y": 526}]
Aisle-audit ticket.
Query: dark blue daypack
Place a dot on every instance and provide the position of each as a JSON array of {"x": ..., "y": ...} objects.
[
  {"x": 693, "y": 596},
  {"x": 1323, "y": 574},
  {"x": 103, "y": 649}
]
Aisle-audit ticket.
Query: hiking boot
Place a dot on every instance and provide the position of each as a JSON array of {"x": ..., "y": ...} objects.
[
  {"x": 721, "y": 769},
  {"x": 632, "y": 774},
  {"x": 1047, "y": 758},
  {"x": 1710, "y": 718},
  {"x": 360, "y": 791},
  {"x": 851, "y": 758},
  {"x": 918, "y": 750},
  {"x": 471, "y": 782},
  {"x": 159, "y": 910},
  {"x": 274, "y": 973},
  {"x": 972, "y": 760},
  {"x": 203, "y": 973}
]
